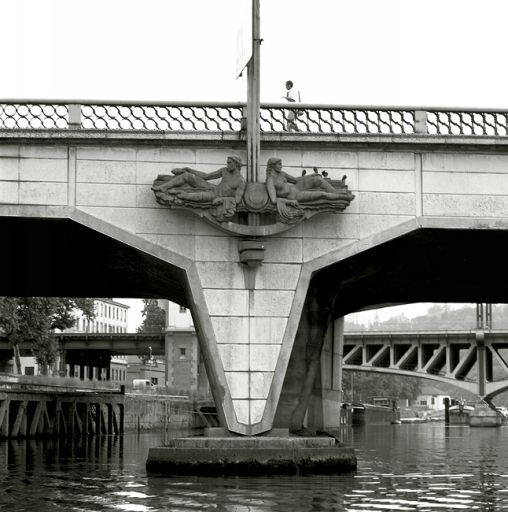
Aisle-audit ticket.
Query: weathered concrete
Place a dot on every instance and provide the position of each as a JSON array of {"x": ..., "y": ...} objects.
[{"x": 252, "y": 455}]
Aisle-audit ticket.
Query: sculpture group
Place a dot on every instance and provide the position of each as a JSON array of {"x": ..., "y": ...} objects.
[{"x": 288, "y": 198}]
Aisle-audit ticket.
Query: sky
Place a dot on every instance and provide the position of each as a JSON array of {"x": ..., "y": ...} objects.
[
  {"x": 422, "y": 53},
  {"x": 362, "y": 52}
]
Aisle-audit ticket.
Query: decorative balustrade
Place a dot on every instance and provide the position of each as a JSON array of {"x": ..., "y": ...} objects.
[{"x": 224, "y": 117}]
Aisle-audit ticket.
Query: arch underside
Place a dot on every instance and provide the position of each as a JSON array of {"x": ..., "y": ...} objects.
[
  {"x": 492, "y": 388},
  {"x": 462, "y": 384},
  {"x": 424, "y": 265},
  {"x": 58, "y": 257}
]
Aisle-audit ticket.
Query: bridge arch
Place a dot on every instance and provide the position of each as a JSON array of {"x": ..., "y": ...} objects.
[
  {"x": 471, "y": 387},
  {"x": 421, "y": 260},
  {"x": 65, "y": 252}
]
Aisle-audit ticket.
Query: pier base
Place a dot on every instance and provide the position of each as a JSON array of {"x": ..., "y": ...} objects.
[{"x": 213, "y": 456}]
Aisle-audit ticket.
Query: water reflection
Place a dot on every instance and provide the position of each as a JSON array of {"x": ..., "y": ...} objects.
[{"x": 401, "y": 467}]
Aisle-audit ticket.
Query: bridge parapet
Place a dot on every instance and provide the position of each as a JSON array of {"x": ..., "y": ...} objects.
[{"x": 220, "y": 116}]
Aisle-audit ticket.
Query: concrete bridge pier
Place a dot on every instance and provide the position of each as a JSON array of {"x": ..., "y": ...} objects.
[
  {"x": 480, "y": 349},
  {"x": 253, "y": 440},
  {"x": 324, "y": 410}
]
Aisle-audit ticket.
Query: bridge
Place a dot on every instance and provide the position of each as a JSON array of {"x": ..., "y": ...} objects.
[
  {"x": 428, "y": 223},
  {"x": 471, "y": 360}
]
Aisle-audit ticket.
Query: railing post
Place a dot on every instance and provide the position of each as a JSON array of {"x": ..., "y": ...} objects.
[
  {"x": 74, "y": 116},
  {"x": 420, "y": 121}
]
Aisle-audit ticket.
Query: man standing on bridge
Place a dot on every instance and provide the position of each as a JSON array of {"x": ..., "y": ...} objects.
[{"x": 292, "y": 96}]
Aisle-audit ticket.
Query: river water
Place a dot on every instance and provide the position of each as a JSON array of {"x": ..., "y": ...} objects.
[{"x": 424, "y": 467}]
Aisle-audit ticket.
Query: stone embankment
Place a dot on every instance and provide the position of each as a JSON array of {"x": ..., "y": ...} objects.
[{"x": 166, "y": 412}]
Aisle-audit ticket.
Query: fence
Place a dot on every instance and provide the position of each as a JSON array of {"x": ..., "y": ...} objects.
[{"x": 308, "y": 118}]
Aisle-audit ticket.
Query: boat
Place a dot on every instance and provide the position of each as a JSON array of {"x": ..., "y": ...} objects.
[
  {"x": 381, "y": 411},
  {"x": 414, "y": 419},
  {"x": 459, "y": 414}
]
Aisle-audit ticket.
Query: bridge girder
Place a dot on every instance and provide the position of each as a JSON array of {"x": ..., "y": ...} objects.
[{"x": 449, "y": 357}]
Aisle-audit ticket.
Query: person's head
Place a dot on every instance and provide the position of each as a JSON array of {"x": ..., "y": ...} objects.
[
  {"x": 289, "y": 85},
  {"x": 274, "y": 163},
  {"x": 233, "y": 163}
]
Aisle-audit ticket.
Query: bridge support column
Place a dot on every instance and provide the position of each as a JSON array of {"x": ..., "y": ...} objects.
[
  {"x": 62, "y": 363},
  {"x": 324, "y": 407},
  {"x": 480, "y": 348}
]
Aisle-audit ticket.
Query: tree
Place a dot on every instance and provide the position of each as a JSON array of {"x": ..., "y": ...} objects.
[
  {"x": 154, "y": 321},
  {"x": 361, "y": 386},
  {"x": 34, "y": 319}
]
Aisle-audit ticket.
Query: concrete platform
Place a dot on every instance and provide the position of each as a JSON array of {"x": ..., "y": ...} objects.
[
  {"x": 484, "y": 416},
  {"x": 213, "y": 456}
]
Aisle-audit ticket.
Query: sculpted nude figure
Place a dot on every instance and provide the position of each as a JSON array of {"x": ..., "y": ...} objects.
[
  {"x": 232, "y": 184},
  {"x": 306, "y": 188}
]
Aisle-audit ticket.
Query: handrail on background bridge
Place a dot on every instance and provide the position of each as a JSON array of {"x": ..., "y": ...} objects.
[{"x": 223, "y": 116}]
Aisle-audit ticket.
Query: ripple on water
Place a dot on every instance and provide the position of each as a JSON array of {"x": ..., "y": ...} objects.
[{"x": 417, "y": 468}]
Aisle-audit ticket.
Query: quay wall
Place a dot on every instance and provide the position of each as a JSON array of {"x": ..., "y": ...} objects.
[{"x": 149, "y": 412}]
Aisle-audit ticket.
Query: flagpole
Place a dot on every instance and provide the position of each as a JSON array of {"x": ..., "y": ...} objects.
[{"x": 253, "y": 89}]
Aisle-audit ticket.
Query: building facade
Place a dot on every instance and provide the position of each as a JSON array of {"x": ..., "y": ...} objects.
[
  {"x": 185, "y": 367},
  {"x": 111, "y": 317}
]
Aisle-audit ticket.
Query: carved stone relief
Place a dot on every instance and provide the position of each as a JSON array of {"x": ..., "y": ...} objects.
[{"x": 280, "y": 203}]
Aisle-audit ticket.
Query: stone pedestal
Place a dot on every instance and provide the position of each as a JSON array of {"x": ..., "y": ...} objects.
[{"x": 214, "y": 456}]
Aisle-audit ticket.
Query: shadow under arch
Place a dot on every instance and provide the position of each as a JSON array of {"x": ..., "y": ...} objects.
[
  {"x": 424, "y": 265},
  {"x": 59, "y": 257}
]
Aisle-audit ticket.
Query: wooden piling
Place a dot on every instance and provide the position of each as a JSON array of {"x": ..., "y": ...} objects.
[{"x": 40, "y": 414}]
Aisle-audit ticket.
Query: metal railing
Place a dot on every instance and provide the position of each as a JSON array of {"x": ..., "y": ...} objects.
[{"x": 275, "y": 117}]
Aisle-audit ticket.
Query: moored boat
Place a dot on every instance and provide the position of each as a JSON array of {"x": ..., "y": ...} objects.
[
  {"x": 382, "y": 411},
  {"x": 459, "y": 414}
]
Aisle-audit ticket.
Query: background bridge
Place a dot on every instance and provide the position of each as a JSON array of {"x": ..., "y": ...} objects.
[
  {"x": 472, "y": 360},
  {"x": 475, "y": 361}
]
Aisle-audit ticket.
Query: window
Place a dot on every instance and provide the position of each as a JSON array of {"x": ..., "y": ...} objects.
[
  {"x": 182, "y": 309},
  {"x": 423, "y": 402},
  {"x": 154, "y": 381},
  {"x": 29, "y": 370},
  {"x": 183, "y": 352}
]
